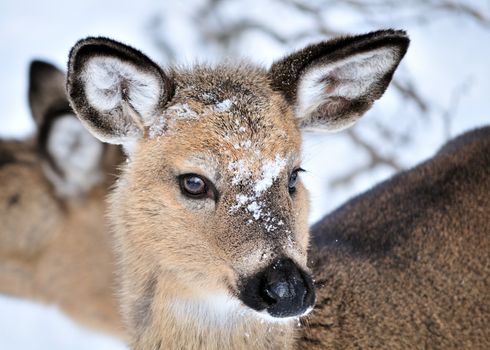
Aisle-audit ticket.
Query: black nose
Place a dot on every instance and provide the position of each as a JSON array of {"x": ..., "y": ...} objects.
[{"x": 283, "y": 289}]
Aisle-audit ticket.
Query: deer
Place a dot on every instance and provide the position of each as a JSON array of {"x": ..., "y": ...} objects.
[
  {"x": 354, "y": 243},
  {"x": 406, "y": 265},
  {"x": 209, "y": 215},
  {"x": 54, "y": 241},
  {"x": 386, "y": 276}
]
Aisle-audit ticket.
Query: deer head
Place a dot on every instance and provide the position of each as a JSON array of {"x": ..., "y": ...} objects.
[{"x": 209, "y": 215}]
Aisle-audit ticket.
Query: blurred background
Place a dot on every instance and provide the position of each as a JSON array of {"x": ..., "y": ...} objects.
[{"x": 441, "y": 89}]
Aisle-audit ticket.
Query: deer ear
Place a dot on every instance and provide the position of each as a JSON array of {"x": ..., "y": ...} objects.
[
  {"x": 47, "y": 94},
  {"x": 72, "y": 159},
  {"x": 116, "y": 91},
  {"x": 331, "y": 84}
]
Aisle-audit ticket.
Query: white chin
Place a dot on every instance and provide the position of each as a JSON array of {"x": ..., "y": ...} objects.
[{"x": 265, "y": 316}]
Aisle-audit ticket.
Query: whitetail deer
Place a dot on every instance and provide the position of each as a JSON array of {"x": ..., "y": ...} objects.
[
  {"x": 54, "y": 244},
  {"x": 407, "y": 265},
  {"x": 209, "y": 218}
]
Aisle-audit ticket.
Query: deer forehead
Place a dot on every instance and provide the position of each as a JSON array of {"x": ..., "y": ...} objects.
[
  {"x": 228, "y": 122},
  {"x": 231, "y": 127},
  {"x": 231, "y": 103},
  {"x": 227, "y": 150},
  {"x": 244, "y": 150}
]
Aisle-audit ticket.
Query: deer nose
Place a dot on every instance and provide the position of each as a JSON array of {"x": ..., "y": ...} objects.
[
  {"x": 283, "y": 289},
  {"x": 287, "y": 289}
]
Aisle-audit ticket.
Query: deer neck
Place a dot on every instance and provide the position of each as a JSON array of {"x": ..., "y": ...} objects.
[{"x": 212, "y": 322}]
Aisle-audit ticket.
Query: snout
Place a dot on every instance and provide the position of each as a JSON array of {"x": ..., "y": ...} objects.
[{"x": 282, "y": 289}]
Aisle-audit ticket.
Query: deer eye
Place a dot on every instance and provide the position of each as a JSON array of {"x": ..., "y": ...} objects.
[
  {"x": 293, "y": 179},
  {"x": 195, "y": 186}
]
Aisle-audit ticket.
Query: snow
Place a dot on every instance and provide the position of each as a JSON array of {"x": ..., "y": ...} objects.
[
  {"x": 255, "y": 209},
  {"x": 25, "y": 325},
  {"x": 178, "y": 111},
  {"x": 182, "y": 111},
  {"x": 223, "y": 106},
  {"x": 443, "y": 54},
  {"x": 242, "y": 144},
  {"x": 240, "y": 169},
  {"x": 270, "y": 171},
  {"x": 255, "y": 188}
]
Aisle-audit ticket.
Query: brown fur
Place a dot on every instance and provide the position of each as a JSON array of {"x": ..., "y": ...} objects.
[
  {"x": 438, "y": 293},
  {"x": 55, "y": 249},
  {"x": 60, "y": 253},
  {"x": 183, "y": 262},
  {"x": 186, "y": 251},
  {"x": 406, "y": 265},
  {"x": 402, "y": 266}
]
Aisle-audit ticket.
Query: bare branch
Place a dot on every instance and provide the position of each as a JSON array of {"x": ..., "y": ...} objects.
[
  {"x": 213, "y": 25},
  {"x": 153, "y": 27},
  {"x": 375, "y": 159},
  {"x": 409, "y": 92},
  {"x": 455, "y": 100}
]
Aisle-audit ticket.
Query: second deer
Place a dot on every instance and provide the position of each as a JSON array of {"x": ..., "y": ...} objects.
[{"x": 54, "y": 240}]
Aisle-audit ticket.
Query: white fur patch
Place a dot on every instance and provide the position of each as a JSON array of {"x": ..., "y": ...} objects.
[
  {"x": 107, "y": 79},
  {"x": 216, "y": 310},
  {"x": 77, "y": 153},
  {"x": 129, "y": 147},
  {"x": 221, "y": 310},
  {"x": 267, "y": 317},
  {"x": 350, "y": 78}
]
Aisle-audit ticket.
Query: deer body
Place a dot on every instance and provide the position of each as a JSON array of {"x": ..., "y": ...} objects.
[
  {"x": 54, "y": 241},
  {"x": 385, "y": 278},
  {"x": 209, "y": 224},
  {"x": 64, "y": 259},
  {"x": 209, "y": 218},
  {"x": 406, "y": 265}
]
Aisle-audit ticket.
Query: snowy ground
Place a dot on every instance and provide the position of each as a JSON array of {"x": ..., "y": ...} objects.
[{"x": 443, "y": 54}]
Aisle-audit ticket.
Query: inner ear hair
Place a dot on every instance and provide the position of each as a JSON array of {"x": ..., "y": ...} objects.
[
  {"x": 285, "y": 73},
  {"x": 331, "y": 84},
  {"x": 115, "y": 89}
]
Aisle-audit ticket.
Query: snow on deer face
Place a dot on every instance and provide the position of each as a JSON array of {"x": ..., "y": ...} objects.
[
  {"x": 222, "y": 160},
  {"x": 210, "y": 203}
]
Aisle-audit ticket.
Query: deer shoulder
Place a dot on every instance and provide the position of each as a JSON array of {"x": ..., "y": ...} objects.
[{"x": 406, "y": 264}]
